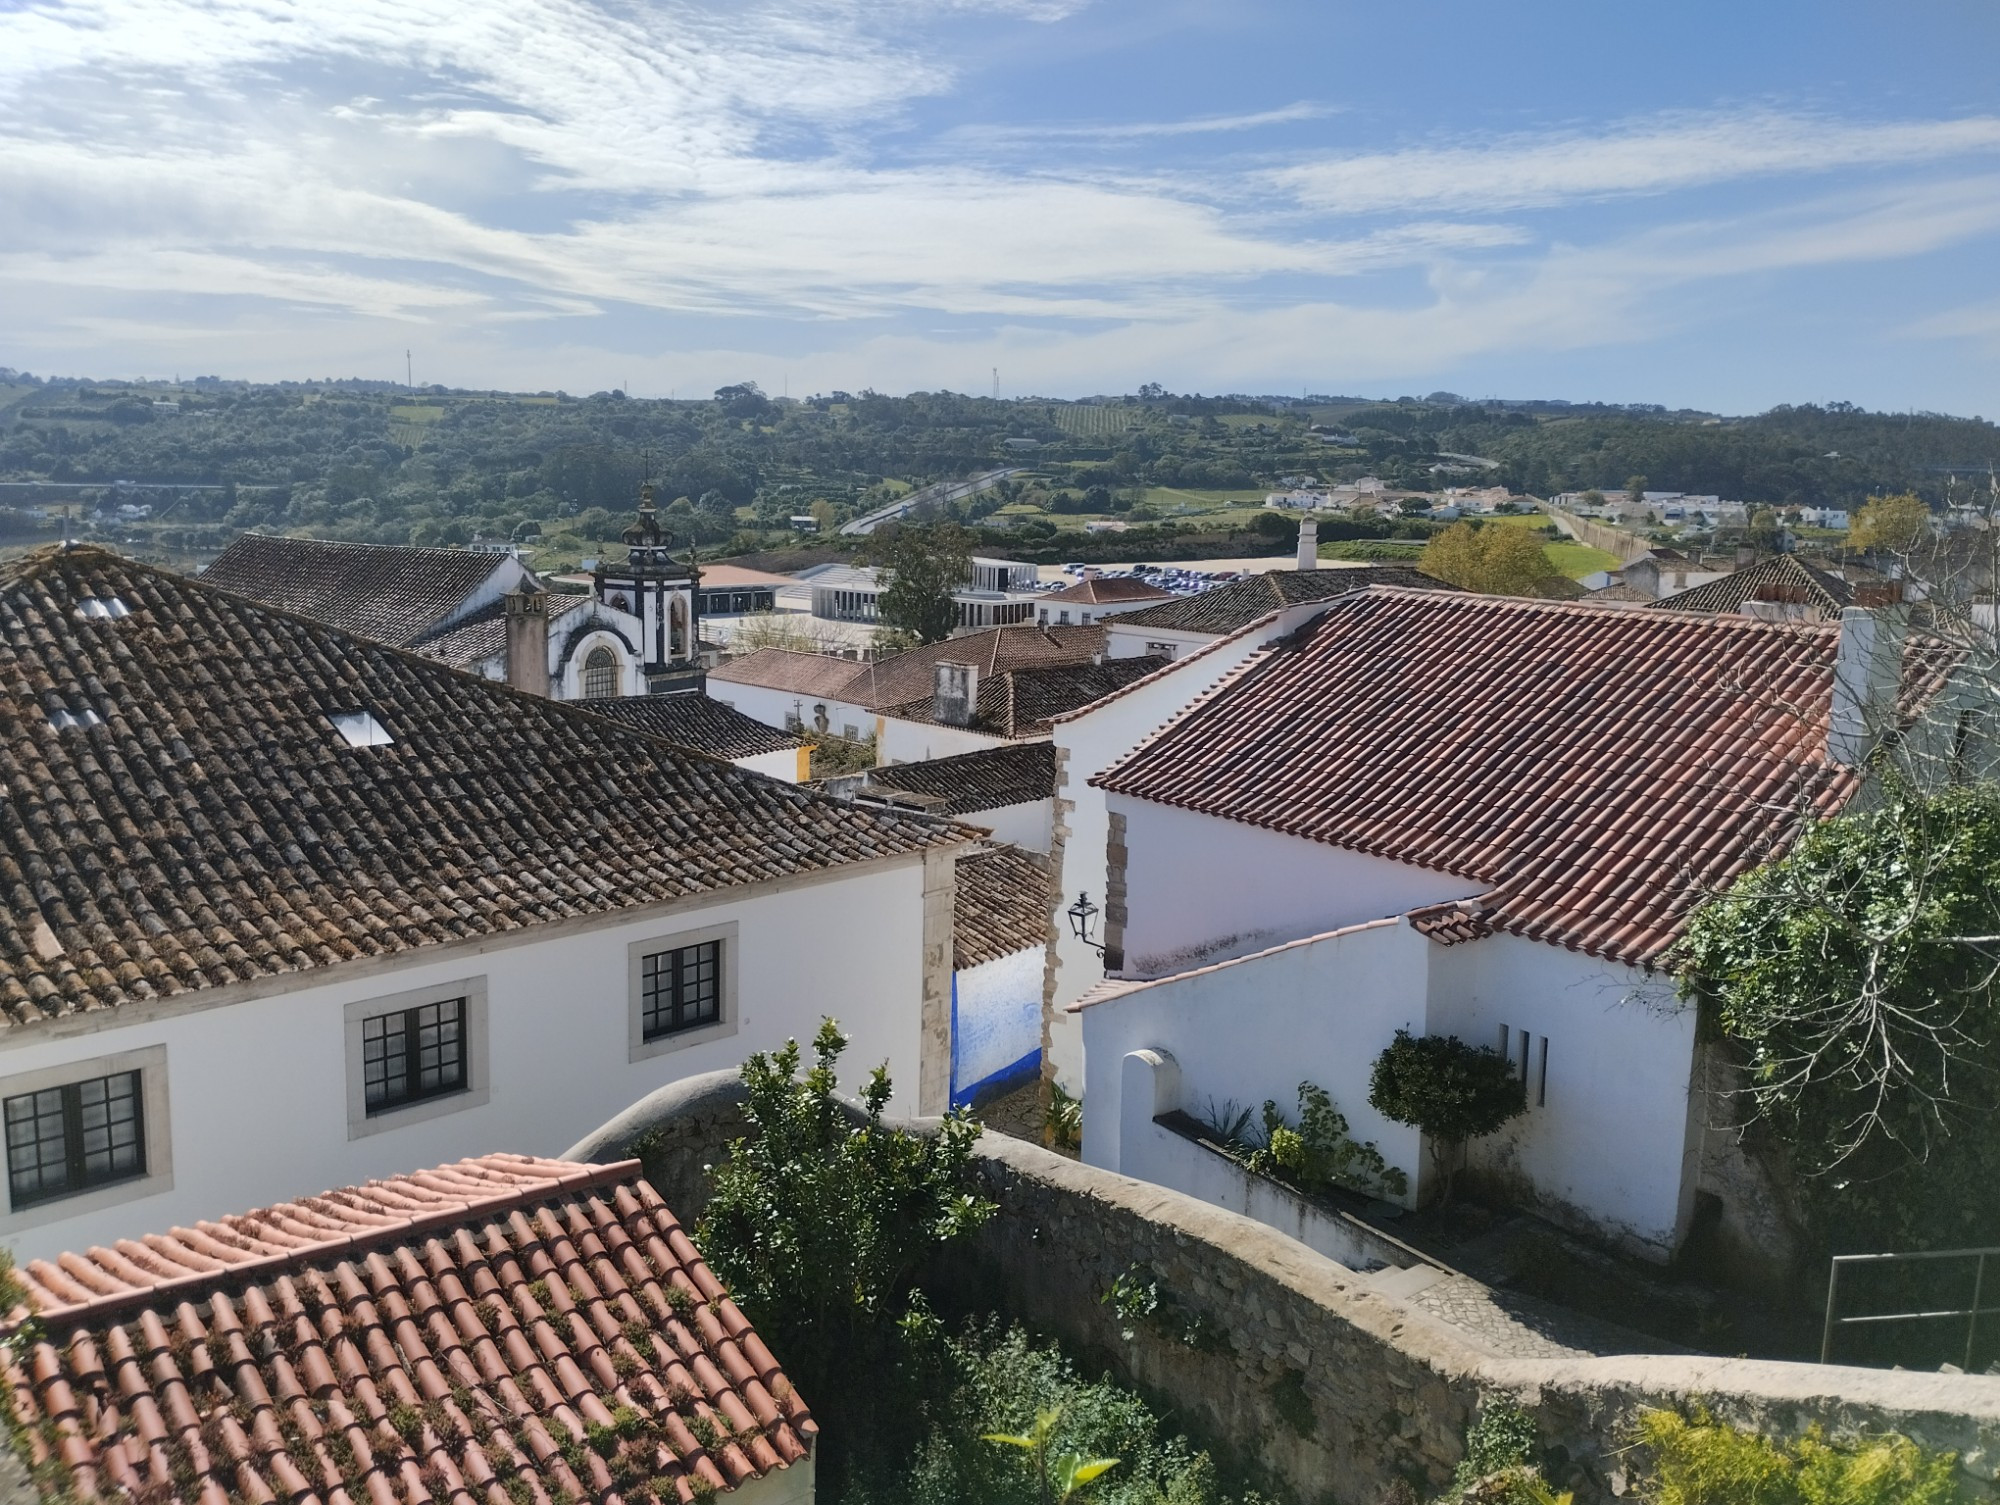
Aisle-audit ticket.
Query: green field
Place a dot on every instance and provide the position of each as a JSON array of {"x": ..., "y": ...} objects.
[
  {"x": 1089, "y": 420},
  {"x": 1567, "y": 556}
]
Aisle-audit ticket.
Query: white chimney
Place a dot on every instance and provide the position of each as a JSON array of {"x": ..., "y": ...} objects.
[
  {"x": 528, "y": 638},
  {"x": 1867, "y": 673},
  {"x": 1308, "y": 543},
  {"x": 956, "y": 694}
]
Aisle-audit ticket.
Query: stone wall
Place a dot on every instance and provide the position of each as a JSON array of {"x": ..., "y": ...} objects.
[
  {"x": 1627, "y": 546},
  {"x": 1294, "y": 1361}
]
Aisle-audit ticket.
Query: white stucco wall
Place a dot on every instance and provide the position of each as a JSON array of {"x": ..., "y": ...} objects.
[
  {"x": 996, "y": 1021},
  {"x": 572, "y": 639},
  {"x": 1090, "y": 741},
  {"x": 1151, "y": 1085},
  {"x": 1611, "y": 1149},
  {"x": 1613, "y": 1144},
  {"x": 1025, "y": 826},
  {"x": 258, "y": 1092},
  {"x": 779, "y": 708},
  {"x": 1317, "y": 1010},
  {"x": 899, "y": 741},
  {"x": 1201, "y": 889},
  {"x": 1121, "y": 641},
  {"x": 787, "y": 763}
]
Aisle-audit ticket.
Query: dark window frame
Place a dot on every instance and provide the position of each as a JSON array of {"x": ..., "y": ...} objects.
[
  {"x": 685, "y": 993},
  {"x": 410, "y": 1024},
  {"x": 75, "y": 1136}
]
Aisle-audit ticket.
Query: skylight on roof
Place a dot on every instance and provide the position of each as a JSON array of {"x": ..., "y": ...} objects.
[
  {"x": 62, "y": 720},
  {"x": 360, "y": 729},
  {"x": 103, "y": 608}
]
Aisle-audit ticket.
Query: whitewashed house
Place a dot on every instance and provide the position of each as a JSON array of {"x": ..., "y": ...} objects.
[
  {"x": 1009, "y": 791},
  {"x": 982, "y": 690},
  {"x": 1000, "y": 934},
  {"x": 1095, "y": 598},
  {"x": 287, "y": 909},
  {"x": 1475, "y": 816}
]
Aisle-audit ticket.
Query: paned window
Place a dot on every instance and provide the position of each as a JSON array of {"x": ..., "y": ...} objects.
[
  {"x": 600, "y": 675},
  {"x": 69, "y": 1139},
  {"x": 413, "y": 1054},
  {"x": 680, "y": 989}
]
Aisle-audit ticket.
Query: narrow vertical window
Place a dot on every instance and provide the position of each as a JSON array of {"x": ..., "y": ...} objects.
[{"x": 600, "y": 675}]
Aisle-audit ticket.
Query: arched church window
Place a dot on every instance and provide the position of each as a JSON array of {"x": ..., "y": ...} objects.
[
  {"x": 600, "y": 675},
  {"x": 679, "y": 619}
]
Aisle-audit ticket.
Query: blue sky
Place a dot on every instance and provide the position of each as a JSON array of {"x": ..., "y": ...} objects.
[{"x": 1722, "y": 206}]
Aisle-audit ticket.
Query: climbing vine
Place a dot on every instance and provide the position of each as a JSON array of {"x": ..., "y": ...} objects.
[{"x": 1857, "y": 977}]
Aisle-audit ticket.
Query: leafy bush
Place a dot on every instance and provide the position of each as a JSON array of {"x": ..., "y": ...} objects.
[
  {"x": 820, "y": 1223},
  {"x": 1856, "y": 973},
  {"x": 1319, "y": 1153},
  {"x": 997, "y": 1380},
  {"x": 1698, "y": 1460},
  {"x": 1448, "y": 1089}
]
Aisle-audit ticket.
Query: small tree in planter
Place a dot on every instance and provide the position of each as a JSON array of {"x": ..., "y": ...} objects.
[{"x": 1450, "y": 1091}]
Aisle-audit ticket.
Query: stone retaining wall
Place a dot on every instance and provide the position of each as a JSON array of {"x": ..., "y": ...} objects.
[{"x": 1334, "y": 1388}]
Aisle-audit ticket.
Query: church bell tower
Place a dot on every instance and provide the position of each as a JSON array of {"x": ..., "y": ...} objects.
[{"x": 660, "y": 591}]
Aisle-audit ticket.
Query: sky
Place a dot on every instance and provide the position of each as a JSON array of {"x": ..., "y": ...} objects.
[{"x": 1720, "y": 206}]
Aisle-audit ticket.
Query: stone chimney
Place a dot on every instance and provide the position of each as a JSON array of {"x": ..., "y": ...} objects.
[
  {"x": 1867, "y": 673},
  {"x": 955, "y": 699},
  {"x": 528, "y": 638},
  {"x": 1308, "y": 543}
]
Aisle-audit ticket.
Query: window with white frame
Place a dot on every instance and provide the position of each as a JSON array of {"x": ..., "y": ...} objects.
[
  {"x": 683, "y": 989},
  {"x": 412, "y": 1055},
  {"x": 415, "y": 1056},
  {"x": 76, "y": 1137},
  {"x": 86, "y": 1134}
]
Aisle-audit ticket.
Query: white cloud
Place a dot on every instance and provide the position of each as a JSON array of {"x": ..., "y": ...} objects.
[{"x": 1672, "y": 152}]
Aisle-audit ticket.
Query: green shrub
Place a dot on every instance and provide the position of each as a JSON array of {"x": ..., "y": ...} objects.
[
  {"x": 1448, "y": 1089},
  {"x": 997, "y": 1380},
  {"x": 1697, "y": 1460},
  {"x": 1319, "y": 1153}
]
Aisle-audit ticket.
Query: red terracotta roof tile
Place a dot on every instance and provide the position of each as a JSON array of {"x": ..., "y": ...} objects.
[
  {"x": 429, "y": 1338},
  {"x": 1599, "y": 769},
  {"x": 1106, "y": 590}
]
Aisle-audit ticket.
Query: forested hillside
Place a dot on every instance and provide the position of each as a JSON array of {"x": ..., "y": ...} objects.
[{"x": 374, "y": 463}]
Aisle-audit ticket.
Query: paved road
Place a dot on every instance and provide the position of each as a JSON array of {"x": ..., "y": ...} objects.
[{"x": 938, "y": 491}]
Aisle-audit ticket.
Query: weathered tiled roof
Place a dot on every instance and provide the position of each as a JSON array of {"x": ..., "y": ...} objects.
[
  {"x": 1016, "y": 774},
  {"x": 380, "y": 591},
  {"x": 697, "y": 721},
  {"x": 1620, "y": 594},
  {"x": 905, "y": 677},
  {"x": 1023, "y": 702},
  {"x": 1782, "y": 577},
  {"x": 482, "y": 635},
  {"x": 1001, "y": 907},
  {"x": 817, "y": 674},
  {"x": 197, "y": 820},
  {"x": 1095, "y": 590},
  {"x": 1596, "y": 770},
  {"x": 1242, "y": 602},
  {"x": 428, "y": 1338}
]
